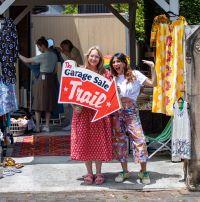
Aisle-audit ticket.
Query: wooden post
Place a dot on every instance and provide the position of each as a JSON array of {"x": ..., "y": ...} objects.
[
  {"x": 130, "y": 24},
  {"x": 5, "y": 5},
  {"x": 23, "y": 13},
  {"x": 193, "y": 94},
  {"x": 132, "y": 36}
]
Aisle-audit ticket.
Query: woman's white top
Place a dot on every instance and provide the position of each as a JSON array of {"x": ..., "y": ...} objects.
[
  {"x": 181, "y": 134},
  {"x": 131, "y": 89}
]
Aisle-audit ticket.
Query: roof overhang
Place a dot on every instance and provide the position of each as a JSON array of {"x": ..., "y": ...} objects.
[{"x": 63, "y": 2}]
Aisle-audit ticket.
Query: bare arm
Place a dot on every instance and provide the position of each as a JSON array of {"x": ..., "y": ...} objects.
[
  {"x": 25, "y": 59},
  {"x": 153, "y": 81}
]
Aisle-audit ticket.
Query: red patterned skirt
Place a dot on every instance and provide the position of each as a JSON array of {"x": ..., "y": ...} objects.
[{"x": 90, "y": 141}]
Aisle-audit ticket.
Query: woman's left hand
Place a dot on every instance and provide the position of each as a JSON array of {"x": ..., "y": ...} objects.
[{"x": 148, "y": 62}]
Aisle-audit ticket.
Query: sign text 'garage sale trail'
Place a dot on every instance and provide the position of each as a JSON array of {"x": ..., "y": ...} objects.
[{"x": 84, "y": 87}]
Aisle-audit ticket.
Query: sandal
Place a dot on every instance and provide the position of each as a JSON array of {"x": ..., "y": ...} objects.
[
  {"x": 8, "y": 172},
  {"x": 11, "y": 162},
  {"x": 99, "y": 179},
  {"x": 15, "y": 170},
  {"x": 88, "y": 179},
  {"x": 19, "y": 165}
]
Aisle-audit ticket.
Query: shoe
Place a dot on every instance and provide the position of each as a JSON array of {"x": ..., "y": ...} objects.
[
  {"x": 144, "y": 177},
  {"x": 67, "y": 128},
  {"x": 88, "y": 179},
  {"x": 8, "y": 172},
  {"x": 37, "y": 130},
  {"x": 122, "y": 176},
  {"x": 99, "y": 179},
  {"x": 45, "y": 129}
]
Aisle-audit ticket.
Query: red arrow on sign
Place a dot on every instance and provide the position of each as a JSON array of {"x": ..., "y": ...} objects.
[{"x": 83, "y": 87}]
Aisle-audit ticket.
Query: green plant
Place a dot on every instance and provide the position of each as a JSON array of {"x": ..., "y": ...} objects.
[
  {"x": 71, "y": 9},
  {"x": 190, "y": 10},
  {"x": 139, "y": 24}
]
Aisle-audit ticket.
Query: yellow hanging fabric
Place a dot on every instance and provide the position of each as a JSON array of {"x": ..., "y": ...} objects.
[{"x": 167, "y": 37}]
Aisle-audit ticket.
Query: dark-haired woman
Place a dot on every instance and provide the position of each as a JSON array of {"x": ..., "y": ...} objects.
[
  {"x": 44, "y": 90},
  {"x": 71, "y": 52},
  {"x": 127, "y": 121}
]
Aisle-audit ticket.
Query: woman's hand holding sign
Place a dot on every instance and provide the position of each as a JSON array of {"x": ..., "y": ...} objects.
[{"x": 80, "y": 86}]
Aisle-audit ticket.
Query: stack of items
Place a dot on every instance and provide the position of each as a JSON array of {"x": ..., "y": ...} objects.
[
  {"x": 18, "y": 126},
  {"x": 9, "y": 167},
  {"x": 20, "y": 122},
  {"x": 144, "y": 100}
]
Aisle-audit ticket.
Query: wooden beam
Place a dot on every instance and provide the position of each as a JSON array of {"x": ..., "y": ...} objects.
[
  {"x": 193, "y": 92},
  {"x": 5, "y": 5},
  {"x": 23, "y": 13},
  {"x": 172, "y": 6},
  {"x": 63, "y": 2},
  {"x": 117, "y": 14},
  {"x": 132, "y": 37}
]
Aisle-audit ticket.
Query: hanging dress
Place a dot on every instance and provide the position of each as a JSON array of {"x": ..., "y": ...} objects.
[
  {"x": 181, "y": 133},
  {"x": 167, "y": 37},
  {"x": 8, "y": 51}
]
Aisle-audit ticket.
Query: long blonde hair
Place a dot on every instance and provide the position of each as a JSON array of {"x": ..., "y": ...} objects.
[{"x": 100, "y": 66}]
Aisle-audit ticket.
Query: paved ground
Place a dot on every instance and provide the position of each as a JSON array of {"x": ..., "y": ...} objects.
[
  {"x": 60, "y": 179},
  {"x": 62, "y": 174},
  {"x": 107, "y": 196}
]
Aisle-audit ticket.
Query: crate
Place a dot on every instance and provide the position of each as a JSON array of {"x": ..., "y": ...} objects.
[{"x": 17, "y": 130}]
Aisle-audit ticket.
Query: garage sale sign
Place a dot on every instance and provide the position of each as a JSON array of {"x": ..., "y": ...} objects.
[{"x": 83, "y": 87}]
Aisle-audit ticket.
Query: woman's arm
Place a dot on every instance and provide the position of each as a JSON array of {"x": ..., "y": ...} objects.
[
  {"x": 153, "y": 81},
  {"x": 25, "y": 59}
]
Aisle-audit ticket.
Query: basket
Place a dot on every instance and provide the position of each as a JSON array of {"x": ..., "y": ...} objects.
[{"x": 17, "y": 130}]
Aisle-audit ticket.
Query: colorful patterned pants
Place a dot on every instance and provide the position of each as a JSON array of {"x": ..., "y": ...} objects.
[{"x": 127, "y": 126}]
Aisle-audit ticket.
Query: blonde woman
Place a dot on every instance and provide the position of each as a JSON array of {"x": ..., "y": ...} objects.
[{"x": 91, "y": 142}]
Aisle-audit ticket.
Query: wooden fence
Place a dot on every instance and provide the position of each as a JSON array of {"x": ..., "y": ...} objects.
[{"x": 84, "y": 30}]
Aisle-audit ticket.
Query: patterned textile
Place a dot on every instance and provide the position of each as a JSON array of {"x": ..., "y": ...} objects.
[
  {"x": 181, "y": 133},
  {"x": 8, "y": 51},
  {"x": 168, "y": 36},
  {"x": 43, "y": 145},
  {"x": 126, "y": 125},
  {"x": 90, "y": 141},
  {"x": 8, "y": 99}
]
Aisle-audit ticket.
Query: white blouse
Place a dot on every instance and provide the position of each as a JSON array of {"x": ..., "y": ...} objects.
[{"x": 131, "y": 89}]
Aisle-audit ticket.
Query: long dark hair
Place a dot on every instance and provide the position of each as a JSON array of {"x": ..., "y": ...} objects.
[
  {"x": 68, "y": 43},
  {"x": 127, "y": 70},
  {"x": 42, "y": 41}
]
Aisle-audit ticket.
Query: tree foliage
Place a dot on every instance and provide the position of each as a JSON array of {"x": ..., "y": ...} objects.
[
  {"x": 71, "y": 9},
  {"x": 139, "y": 24},
  {"x": 190, "y": 9},
  {"x": 140, "y": 30}
]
